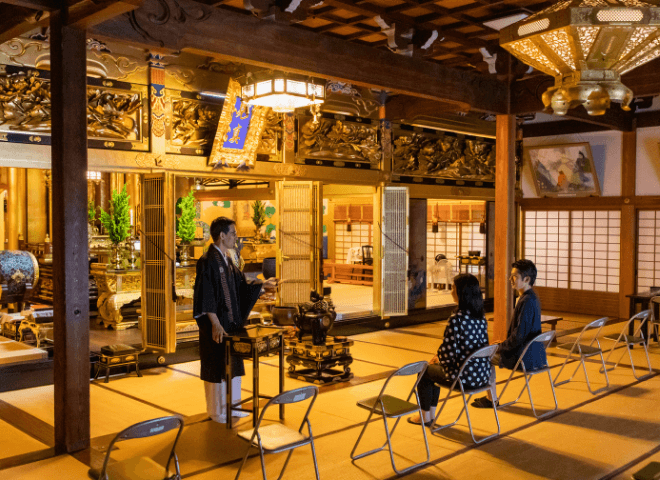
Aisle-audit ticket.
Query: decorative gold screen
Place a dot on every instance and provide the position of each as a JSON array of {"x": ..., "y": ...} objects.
[
  {"x": 159, "y": 322},
  {"x": 394, "y": 233}
]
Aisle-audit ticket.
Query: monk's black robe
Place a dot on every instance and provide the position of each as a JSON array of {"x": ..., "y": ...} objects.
[{"x": 209, "y": 297}]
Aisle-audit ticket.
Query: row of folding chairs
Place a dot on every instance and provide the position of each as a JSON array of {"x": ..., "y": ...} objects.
[{"x": 276, "y": 437}]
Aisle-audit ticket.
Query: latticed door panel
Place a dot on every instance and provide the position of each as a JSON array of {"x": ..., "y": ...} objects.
[
  {"x": 394, "y": 232},
  {"x": 296, "y": 241},
  {"x": 157, "y": 242}
]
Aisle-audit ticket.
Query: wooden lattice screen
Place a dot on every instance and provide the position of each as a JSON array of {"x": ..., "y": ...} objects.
[
  {"x": 158, "y": 314},
  {"x": 299, "y": 255},
  {"x": 394, "y": 231}
]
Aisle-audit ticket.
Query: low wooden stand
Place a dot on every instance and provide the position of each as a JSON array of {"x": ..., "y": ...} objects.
[
  {"x": 354, "y": 274},
  {"x": 108, "y": 362}
]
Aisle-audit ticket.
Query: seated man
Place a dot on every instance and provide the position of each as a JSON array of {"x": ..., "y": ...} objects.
[{"x": 525, "y": 325}]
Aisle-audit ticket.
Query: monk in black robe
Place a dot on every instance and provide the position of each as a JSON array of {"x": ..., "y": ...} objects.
[{"x": 223, "y": 299}]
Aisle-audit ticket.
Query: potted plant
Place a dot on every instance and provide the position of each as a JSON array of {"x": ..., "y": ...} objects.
[
  {"x": 258, "y": 218},
  {"x": 186, "y": 226},
  {"x": 117, "y": 223}
]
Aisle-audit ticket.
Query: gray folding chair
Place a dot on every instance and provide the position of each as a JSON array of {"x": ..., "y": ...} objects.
[
  {"x": 655, "y": 322},
  {"x": 457, "y": 385},
  {"x": 637, "y": 338},
  {"x": 388, "y": 406},
  {"x": 544, "y": 338},
  {"x": 585, "y": 351},
  {"x": 275, "y": 437},
  {"x": 142, "y": 468}
]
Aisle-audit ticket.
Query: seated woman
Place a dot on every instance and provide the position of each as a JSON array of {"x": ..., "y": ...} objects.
[{"x": 466, "y": 332}]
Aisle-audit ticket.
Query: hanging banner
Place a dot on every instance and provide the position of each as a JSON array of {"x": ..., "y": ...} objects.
[{"x": 239, "y": 131}]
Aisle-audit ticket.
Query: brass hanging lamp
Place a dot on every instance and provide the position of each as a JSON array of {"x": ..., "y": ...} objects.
[{"x": 587, "y": 45}]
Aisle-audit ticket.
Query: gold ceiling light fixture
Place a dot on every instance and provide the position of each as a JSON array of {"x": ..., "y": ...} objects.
[
  {"x": 281, "y": 91},
  {"x": 587, "y": 45}
]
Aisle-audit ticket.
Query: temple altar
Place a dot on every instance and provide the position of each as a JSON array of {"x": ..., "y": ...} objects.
[{"x": 119, "y": 287}]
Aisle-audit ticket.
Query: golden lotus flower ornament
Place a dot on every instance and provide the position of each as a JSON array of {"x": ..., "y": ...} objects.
[{"x": 587, "y": 45}]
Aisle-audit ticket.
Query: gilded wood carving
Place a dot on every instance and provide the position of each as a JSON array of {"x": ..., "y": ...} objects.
[
  {"x": 336, "y": 139},
  {"x": 116, "y": 111},
  {"x": 192, "y": 124},
  {"x": 443, "y": 155}
]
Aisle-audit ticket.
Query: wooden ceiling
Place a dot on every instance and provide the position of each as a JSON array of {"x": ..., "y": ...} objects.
[{"x": 387, "y": 24}]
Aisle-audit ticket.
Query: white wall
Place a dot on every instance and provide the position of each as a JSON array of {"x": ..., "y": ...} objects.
[
  {"x": 648, "y": 161},
  {"x": 606, "y": 150}
]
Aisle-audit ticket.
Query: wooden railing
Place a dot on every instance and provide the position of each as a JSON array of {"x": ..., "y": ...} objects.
[{"x": 355, "y": 274}]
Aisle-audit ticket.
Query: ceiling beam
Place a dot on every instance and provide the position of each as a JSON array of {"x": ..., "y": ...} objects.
[
  {"x": 46, "y": 5},
  {"x": 559, "y": 127},
  {"x": 83, "y": 14},
  {"x": 222, "y": 34}
]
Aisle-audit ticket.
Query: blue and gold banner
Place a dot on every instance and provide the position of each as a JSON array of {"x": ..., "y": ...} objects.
[{"x": 239, "y": 125}]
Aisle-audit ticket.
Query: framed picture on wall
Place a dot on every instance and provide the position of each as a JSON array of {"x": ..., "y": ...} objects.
[{"x": 563, "y": 170}]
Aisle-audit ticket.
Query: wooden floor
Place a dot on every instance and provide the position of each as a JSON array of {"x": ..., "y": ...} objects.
[{"x": 607, "y": 436}]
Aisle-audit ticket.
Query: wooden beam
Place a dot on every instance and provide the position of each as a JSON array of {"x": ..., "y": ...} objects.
[
  {"x": 17, "y": 20},
  {"x": 70, "y": 267},
  {"x": 46, "y": 5},
  {"x": 505, "y": 222},
  {"x": 223, "y": 34},
  {"x": 628, "y": 240},
  {"x": 560, "y": 127}
]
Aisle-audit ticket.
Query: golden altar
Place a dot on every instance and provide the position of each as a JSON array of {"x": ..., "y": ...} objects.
[{"x": 119, "y": 287}]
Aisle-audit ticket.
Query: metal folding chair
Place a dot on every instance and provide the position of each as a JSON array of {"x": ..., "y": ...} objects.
[
  {"x": 631, "y": 340},
  {"x": 457, "y": 385},
  {"x": 142, "y": 468},
  {"x": 585, "y": 351},
  {"x": 388, "y": 406},
  {"x": 275, "y": 437},
  {"x": 545, "y": 338},
  {"x": 655, "y": 322}
]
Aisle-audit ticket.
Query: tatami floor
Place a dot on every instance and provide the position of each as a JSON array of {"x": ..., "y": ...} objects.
[{"x": 606, "y": 436}]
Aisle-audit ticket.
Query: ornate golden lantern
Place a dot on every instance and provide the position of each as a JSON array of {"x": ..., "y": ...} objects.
[{"x": 587, "y": 45}]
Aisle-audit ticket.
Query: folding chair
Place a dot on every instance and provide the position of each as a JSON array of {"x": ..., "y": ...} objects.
[
  {"x": 484, "y": 352},
  {"x": 142, "y": 468},
  {"x": 637, "y": 338},
  {"x": 388, "y": 406},
  {"x": 275, "y": 437},
  {"x": 545, "y": 338},
  {"x": 585, "y": 351},
  {"x": 655, "y": 322}
]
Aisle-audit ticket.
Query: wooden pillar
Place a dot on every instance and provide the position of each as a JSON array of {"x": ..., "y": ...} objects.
[
  {"x": 505, "y": 222},
  {"x": 21, "y": 205},
  {"x": 70, "y": 270},
  {"x": 628, "y": 220},
  {"x": 13, "y": 197}
]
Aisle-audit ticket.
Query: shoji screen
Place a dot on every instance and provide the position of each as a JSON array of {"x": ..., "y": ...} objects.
[{"x": 648, "y": 250}]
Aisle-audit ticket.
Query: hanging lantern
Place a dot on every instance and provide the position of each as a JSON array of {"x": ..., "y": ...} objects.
[
  {"x": 282, "y": 92},
  {"x": 587, "y": 45}
]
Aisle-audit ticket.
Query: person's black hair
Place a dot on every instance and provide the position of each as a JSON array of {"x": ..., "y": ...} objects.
[
  {"x": 469, "y": 294},
  {"x": 526, "y": 268},
  {"x": 220, "y": 225}
]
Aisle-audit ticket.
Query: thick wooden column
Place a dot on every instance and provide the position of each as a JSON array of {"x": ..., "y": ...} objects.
[
  {"x": 70, "y": 271},
  {"x": 628, "y": 220},
  {"x": 505, "y": 222}
]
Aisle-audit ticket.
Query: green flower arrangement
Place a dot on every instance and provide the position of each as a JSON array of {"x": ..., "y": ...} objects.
[
  {"x": 187, "y": 226},
  {"x": 258, "y": 217},
  {"x": 117, "y": 222}
]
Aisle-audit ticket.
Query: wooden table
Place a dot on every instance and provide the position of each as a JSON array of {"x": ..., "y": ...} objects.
[
  {"x": 643, "y": 299},
  {"x": 354, "y": 274},
  {"x": 552, "y": 321},
  {"x": 253, "y": 341}
]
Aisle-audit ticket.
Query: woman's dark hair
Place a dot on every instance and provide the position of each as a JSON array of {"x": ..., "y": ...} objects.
[{"x": 469, "y": 294}]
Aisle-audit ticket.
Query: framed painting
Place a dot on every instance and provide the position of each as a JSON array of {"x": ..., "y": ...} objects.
[
  {"x": 239, "y": 131},
  {"x": 563, "y": 170}
]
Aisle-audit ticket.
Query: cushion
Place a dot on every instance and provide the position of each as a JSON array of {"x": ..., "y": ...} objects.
[{"x": 117, "y": 350}]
